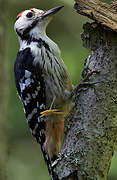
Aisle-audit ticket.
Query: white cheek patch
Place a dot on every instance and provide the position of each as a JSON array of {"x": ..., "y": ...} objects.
[{"x": 22, "y": 23}]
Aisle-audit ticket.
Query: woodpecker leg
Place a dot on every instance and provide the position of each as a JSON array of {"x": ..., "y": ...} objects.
[
  {"x": 50, "y": 110},
  {"x": 83, "y": 86}
]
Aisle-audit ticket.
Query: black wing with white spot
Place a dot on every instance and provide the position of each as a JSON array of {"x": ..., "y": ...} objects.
[{"x": 30, "y": 86}]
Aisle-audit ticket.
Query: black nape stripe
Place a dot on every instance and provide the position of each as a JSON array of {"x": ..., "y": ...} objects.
[
  {"x": 17, "y": 18},
  {"x": 32, "y": 10},
  {"x": 25, "y": 34}
]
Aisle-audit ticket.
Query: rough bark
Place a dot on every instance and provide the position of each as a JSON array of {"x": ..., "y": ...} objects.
[
  {"x": 104, "y": 13},
  {"x": 91, "y": 130},
  {"x": 3, "y": 94}
]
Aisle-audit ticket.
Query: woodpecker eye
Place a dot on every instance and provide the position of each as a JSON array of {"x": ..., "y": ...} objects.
[{"x": 29, "y": 14}]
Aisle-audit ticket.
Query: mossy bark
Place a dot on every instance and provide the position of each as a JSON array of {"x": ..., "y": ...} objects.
[{"x": 91, "y": 130}]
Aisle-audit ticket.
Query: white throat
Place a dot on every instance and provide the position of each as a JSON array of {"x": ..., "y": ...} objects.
[
  {"x": 40, "y": 33},
  {"x": 38, "y": 30}
]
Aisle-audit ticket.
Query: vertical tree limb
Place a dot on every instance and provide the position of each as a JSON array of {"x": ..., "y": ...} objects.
[{"x": 91, "y": 132}]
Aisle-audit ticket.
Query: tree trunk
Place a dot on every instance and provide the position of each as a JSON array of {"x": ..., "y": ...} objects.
[
  {"x": 3, "y": 94},
  {"x": 91, "y": 129}
]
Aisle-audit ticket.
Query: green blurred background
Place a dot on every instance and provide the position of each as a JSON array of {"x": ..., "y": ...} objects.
[{"x": 24, "y": 158}]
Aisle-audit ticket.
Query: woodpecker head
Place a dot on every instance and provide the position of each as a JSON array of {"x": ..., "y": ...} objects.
[{"x": 33, "y": 21}]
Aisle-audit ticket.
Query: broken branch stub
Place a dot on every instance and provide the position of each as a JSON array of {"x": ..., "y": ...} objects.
[{"x": 100, "y": 12}]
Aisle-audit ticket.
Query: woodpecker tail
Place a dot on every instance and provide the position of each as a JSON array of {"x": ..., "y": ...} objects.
[
  {"x": 53, "y": 175},
  {"x": 53, "y": 135}
]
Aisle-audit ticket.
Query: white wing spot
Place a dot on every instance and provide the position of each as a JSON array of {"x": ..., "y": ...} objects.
[
  {"x": 27, "y": 74},
  {"x": 29, "y": 96},
  {"x": 36, "y": 93},
  {"x": 27, "y": 99},
  {"x": 32, "y": 114},
  {"x": 39, "y": 119},
  {"x": 22, "y": 86},
  {"x": 38, "y": 88},
  {"x": 28, "y": 81},
  {"x": 39, "y": 139},
  {"x": 34, "y": 130},
  {"x": 37, "y": 104},
  {"x": 25, "y": 102},
  {"x": 42, "y": 106},
  {"x": 33, "y": 95}
]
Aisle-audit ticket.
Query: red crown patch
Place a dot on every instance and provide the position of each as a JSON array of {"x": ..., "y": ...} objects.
[{"x": 19, "y": 15}]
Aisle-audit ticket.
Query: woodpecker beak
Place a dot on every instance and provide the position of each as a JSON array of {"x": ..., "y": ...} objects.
[{"x": 51, "y": 11}]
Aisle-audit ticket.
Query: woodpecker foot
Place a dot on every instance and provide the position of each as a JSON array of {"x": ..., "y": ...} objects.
[
  {"x": 83, "y": 86},
  {"x": 59, "y": 158},
  {"x": 50, "y": 112},
  {"x": 55, "y": 163}
]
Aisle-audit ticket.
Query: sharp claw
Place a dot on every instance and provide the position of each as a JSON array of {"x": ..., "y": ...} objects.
[
  {"x": 50, "y": 112},
  {"x": 54, "y": 164}
]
